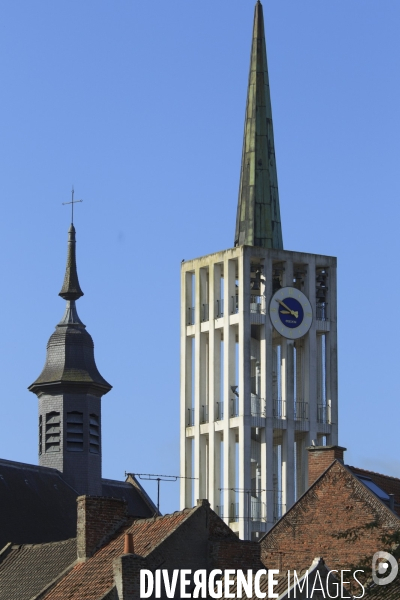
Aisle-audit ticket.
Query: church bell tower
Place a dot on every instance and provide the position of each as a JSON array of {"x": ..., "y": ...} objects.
[
  {"x": 69, "y": 389},
  {"x": 258, "y": 346}
]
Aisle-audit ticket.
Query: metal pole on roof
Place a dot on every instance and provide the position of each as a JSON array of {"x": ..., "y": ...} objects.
[{"x": 158, "y": 478}]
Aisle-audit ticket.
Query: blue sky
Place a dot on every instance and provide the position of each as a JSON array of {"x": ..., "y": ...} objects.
[{"x": 140, "y": 105}]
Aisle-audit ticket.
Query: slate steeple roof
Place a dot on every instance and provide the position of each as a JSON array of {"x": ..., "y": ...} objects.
[
  {"x": 70, "y": 364},
  {"x": 71, "y": 290},
  {"x": 258, "y": 221}
]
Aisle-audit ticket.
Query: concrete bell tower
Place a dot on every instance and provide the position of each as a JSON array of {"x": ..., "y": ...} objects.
[
  {"x": 69, "y": 389},
  {"x": 258, "y": 346}
]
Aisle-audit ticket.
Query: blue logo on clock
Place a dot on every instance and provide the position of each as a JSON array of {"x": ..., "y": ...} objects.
[{"x": 291, "y": 312}]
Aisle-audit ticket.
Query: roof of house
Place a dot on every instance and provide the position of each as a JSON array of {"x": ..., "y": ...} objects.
[
  {"x": 28, "y": 561},
  {"x": 37, "y": 506},
  {"x": 92, "y": 580},
  {"x": 338, "y": 518},
  {"x": 139, "y": 503},
  {"x": 390, "y": 485}
]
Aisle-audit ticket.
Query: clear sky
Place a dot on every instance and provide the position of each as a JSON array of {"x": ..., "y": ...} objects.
[{"x": 140, "y": 105}]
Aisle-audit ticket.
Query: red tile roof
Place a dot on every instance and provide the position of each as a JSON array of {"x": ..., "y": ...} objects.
[{"x": 93, "y": 579}]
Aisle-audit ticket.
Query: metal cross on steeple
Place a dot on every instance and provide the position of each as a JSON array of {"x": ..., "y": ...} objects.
[{"x": 72, "y": 204}]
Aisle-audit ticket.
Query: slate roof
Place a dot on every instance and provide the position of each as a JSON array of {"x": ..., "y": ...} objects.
[
  {"x": 70, "y": 364},
  {"x": 93, "y": 579},
  {"x": 139, "y": 503},
  {"x": 37, "y": 506},
  {"x": 36, "y": 567}
]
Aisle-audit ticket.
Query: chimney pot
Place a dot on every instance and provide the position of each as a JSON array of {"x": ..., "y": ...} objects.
[{"x": 129, "y": 546}]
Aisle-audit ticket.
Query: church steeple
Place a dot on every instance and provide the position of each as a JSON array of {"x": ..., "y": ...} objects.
[
  {"x": 258, "y": 221},
  {"x": 69, "y": 389}
]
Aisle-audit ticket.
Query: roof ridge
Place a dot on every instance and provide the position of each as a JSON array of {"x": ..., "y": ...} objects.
[
  {"x": 40, "y": 545},
  {"x": 167, "y": 515},
  {"x": 105, "y": 479},
  {"x": 373, "y": 472},
  {"x": 15, "y": 463}
]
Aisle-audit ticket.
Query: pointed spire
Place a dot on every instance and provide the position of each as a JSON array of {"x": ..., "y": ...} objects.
[
  {"x": 258, "y": 221},
  {"x": 71, "y": 289}
]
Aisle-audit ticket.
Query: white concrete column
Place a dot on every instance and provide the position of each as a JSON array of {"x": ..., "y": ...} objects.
[
  {"x": 186, "y": 385},
  {"x": 333, "y": 356},
  {"x": 245, "y": 390},
  {"x": 288, "y": 434},
  {"x": 197, "y": 383}
]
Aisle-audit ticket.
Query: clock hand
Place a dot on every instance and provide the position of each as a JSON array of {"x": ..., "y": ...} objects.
[{"x": 292, "y": 312}]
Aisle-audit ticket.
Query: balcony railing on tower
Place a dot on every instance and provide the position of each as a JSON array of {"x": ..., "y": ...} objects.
[
  {"x": 279, "y": 506},
  {"x": 234, "y": 305},
  {"x": 204, "y": 313},
  {"x": 219, "y": 308},
  {"x": 190, "y": 421},
  {"x": 234, "y": 407},
  {"x": 279, "y": 409},
  {"x": 257, "y": 406},
  {"x": 204, "y": 414},
  {"x": 258, "y": 510},
  {"x": 191, "y": 315},
  {"x": 322, "y": 311},
  {"x": 234, "y": 512},
  {"x": 301, "y": 410},
  {"x": 257, "y": 305},
  {"x": 220, "y": 411},
  {"x": 323, "y": 413}
]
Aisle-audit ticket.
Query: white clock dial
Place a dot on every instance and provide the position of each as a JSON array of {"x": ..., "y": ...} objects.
[{"x": 290, "y": 313}]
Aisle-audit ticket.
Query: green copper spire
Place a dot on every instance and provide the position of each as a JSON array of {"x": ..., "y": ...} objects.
[
  {"x": 258, "y": 221},
  {"x": 71, "y": 289}
]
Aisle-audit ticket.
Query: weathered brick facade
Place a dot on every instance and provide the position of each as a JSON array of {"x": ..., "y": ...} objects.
[{"x": 338, "y": 518}]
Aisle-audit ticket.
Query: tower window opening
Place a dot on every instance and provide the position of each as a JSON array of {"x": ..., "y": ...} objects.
[
  {"x": 40, "y": 434},
  {"x": 94, "y": 434},
  {"x": 53, "y": 432},
  {"x": 321, "y": 293},
  {"x": 75, "y": 431}
]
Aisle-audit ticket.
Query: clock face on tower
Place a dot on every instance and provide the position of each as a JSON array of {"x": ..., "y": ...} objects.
[{"x": 290, "y": 312}]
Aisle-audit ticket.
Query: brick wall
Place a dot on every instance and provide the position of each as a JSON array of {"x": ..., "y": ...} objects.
[
  {"x": 336, "y": 505},
  {"x": 98, "y": 519},
  {"x": 320, "y": 458},
  {"x": 235, "y": 554}
]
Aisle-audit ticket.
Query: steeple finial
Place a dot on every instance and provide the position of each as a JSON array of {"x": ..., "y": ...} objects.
[
  {"x": 71, "y": 290},
  {"x": 258, "y": 221}
]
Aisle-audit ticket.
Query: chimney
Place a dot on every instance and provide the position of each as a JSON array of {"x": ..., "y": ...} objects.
[
  {"x": 391, "y": 502},
  {"x": 320, "y": 458},
  {"x": 98, "y": 519},
  {"x": 126, "y": 569}
]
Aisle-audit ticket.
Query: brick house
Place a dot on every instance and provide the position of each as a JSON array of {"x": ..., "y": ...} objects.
[{"x": 341, "y": 517}]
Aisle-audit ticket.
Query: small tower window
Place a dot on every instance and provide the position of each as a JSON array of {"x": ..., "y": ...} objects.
[
  {"x": 40, "y": 434},
  {"x": 94, "y": 434},
  {"x": 75, "y": 431},
  {"x": 53, "y": 432}
]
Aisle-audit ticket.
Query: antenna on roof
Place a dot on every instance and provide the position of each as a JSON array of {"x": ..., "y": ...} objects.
[{"x": 158, "y": 478}]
